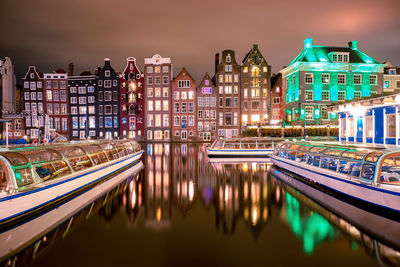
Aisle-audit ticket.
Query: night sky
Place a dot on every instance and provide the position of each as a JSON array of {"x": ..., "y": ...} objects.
[{"x": 50, "y": 34}]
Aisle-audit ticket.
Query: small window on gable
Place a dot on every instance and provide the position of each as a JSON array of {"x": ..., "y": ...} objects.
[{"x": 228, "y": 58}]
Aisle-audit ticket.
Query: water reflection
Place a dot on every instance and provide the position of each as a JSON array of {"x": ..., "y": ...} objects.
[{"x": 178, "y": 186}]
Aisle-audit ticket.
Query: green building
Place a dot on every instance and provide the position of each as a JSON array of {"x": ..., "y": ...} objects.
[{"x": 322, "y": 75}]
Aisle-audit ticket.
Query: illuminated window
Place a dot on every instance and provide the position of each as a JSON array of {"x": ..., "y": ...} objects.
[
  {"x": 150, "y": 105},
  {"x": 221, "y": 78},
  {"x": 265, "y": 92},
  {"x": 325, "y": 78},
  {"x": 391, "y": 125},
  {"x": 325, "y": 95},
  {"x": 228, "y": 78},
  {"x": 157, "y": 92},
  {"x": 341, "y": 78},
  {"x": 309, "y": 78},
  {"x": 245, "y": 69},
  {"x": 157, "y": 69},
  {"x": 309, "y": 112},
  {"x": 165, "y": 92},
  {"x": 357, "y": 79},
  {"x": 372, "y": 79},
  {"x": 309, "y": 95},
  {"x": 342, "y": 95},
  {"x": 245, "y": 93},
  {"x": 255, "y": 72},
  {"x": 386, "y": 84},
  {"x": 228, "y": 68},
  {"x": 255, "y": 118},
  {"x": 265, "y": 69},
  {"x": 369, "y": 127},
  {"x": 255, "y": 93}
]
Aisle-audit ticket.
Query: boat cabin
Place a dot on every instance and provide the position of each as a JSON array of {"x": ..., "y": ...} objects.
[
  {"x": 26, "y": 167},
  {"x": 244, "y": 143},
  {"x": 376, "y": 166}
]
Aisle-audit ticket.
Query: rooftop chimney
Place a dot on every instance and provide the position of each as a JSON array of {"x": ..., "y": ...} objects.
[
  {"x": 255, "y": 46},
  {"x": 216, "y": 61},
  {"x": 307, "y": 43},
  {"x": 353, "y": 44},
  {"x": 70, "y": 69}
]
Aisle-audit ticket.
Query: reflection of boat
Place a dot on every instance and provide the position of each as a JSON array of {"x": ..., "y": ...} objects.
[
  {"x": 35, "y": 179},
  {"x": 368, "y": 177},
  {"x": 382, "y": 228},
  {"x": 241, "y": 147},
  {"x": 44, "y": 229},
  {"x": 239, "y": 160}
]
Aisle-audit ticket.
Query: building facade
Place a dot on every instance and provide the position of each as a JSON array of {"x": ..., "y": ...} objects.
[
  {"x": 158, "y": 75},
  {"x": 132, "y": 101},
  {"x": 227, "y": 81},
  {"x": 322, "y": 75},
  {"x": 184, "y": 105},
  {"x": 391, "y": 79},
  {"x": 276, "y": 99},
  {"x": 107, "y": 102},
  {"x": 56, "y": 101},
  {"x": 7, "y": 86},
  {"x": 33, "y": 101},
  {"x": 207, "y": 117},
  {"x": 82, "y": 103},
  {"x": 255, "y": 90}
]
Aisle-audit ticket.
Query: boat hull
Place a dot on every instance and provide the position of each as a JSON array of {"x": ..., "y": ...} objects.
[
  {"x": 18, "y": 207},
  {"x": 375, "y": 199},
  {"x": 239, "y": 153}
]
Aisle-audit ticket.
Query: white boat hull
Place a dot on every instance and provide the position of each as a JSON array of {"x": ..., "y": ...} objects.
[
  {"x": 378, "y": 197},
  {"x": 19, "y": 205},
  {"x": 238, "y": 153}
]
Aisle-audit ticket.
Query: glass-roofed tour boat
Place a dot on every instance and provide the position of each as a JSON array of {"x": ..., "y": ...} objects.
[
  {"x": 367, "y": 177},
  {"x": 242, "y": 147},
  {"x": 36, "y": 179}
]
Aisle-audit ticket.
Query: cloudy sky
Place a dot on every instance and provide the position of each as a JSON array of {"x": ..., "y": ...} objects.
[{"x": 52, "y": 33}]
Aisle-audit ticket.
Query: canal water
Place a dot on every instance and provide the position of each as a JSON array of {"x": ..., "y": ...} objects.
[{"x": 183, "y": 210}]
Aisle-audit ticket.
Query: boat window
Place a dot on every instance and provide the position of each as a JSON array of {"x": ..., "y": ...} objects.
[
  {"x": 333, "y": 152},
  {"x": 294, "y": 147},
  {"x": 129, "y": 148},
  {"x": 373, "y": 157},
  {"x": 344, "y": 166},
  {"x": 41, "y": 155},
  {"x": 332, "y": 164},
  {"x": 252, "y": 145},
  {"x": 355, "y": 155},
  {"x": 52, "y": 170},
  {"x": 304, "y": 148},
  {"x": 292, "y": 155},
  {"x": 16, "y": 159},
  {"x": 24, "y": 176},
  {"x": 228, "y": 146},
  {"x": 314, "y": 160},
  {"x": 390, "y": 170},
  {"x": 355, "y": 169},
  {"x": 317, "y": 149},
  {"x": 70, "y": 151},
  {"x": 261, "y": 146},
  {"x": 245, "y": 146},
  {"x": 98, "y": 158},
  {"x": 301, "y": 157},
  {"x": 325, "y": 163},
  {"x": 110, "y": 151},
  {"x": 368, "y": 171},
  {"x": 80, "y": 163},
  {"x": 4, "y": 181},
  {"x": 218, "y": 144}
]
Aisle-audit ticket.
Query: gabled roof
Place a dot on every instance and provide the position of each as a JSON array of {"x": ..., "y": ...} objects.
[
  {"x": 207, "y": 77},
  {"x": 184, "y": 71},
  {"x": 248, "y": 55},
  {"x": 318, "y": 53}
]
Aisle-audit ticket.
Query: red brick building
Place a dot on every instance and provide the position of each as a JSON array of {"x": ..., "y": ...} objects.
[
  {"x": 56, "y": 101},
  {"x": 132, "y": 101},
  {"x": 184, "y": 107}
]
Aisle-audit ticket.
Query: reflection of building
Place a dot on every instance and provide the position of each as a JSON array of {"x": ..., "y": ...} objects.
[
  {"x": 132, "y": 101},
  {"x": 227, "y": 80},
  {"x": 276, "y": 99},
  {"x": 184, "y": 170},
  {"x": 207, "y": 183},
  {"x": 107, "y": 102},
  {"x": 184, "y": 126},
  {"x": 206, "y": 109},
  {"x": 255, "y": 90},
  {"x": 158, "y": 73},
  {"x": 158, "y": 188}
]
